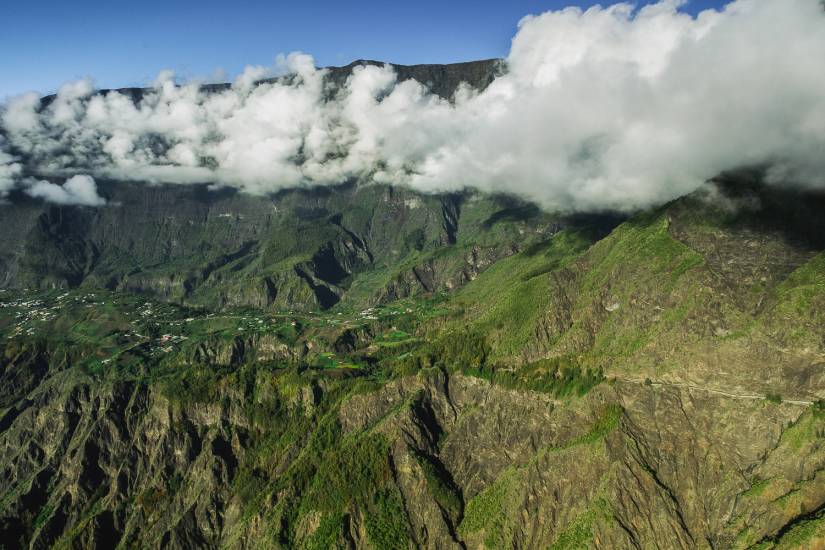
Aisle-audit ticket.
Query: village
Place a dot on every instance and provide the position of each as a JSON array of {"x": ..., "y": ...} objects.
[{"x": 114, "y": 323}]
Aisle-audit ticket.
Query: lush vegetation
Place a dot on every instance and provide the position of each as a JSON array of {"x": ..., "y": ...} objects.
[
  {"x": 441, "y": 485},
  {"x": 385, "y": 523},
  {"x": 486, "y": 510},
  {"x": 558, "y": 376},
  {"x": 553, "y": 318}
]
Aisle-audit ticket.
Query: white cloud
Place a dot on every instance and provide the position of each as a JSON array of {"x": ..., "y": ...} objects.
[
  {"x": 9, "y": 171},
  {"x": 602, "y": 108},
  {"x": 78, "y": 190},
  {"x": 251, "y": 75}
]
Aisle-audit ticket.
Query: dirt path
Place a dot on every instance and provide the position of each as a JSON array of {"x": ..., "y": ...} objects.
[{"x": 756, "y": 397}]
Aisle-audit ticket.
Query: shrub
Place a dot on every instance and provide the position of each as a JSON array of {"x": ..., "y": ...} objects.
[
  {"x": 558, "y": 376},
  {"x": 774, "y": 398},
  {"x": 349, "y": 472},
  {"x": 441, "y": 485},
  {"x": 384, "y": 521},
  {"x": 326, "y": 535}
]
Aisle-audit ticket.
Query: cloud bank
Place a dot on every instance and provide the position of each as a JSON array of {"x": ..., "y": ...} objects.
[
  {"x": 78, "y": 190},
  {"x": 607, "y": 108}
]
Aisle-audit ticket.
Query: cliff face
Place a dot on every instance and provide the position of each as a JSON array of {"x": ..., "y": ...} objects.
[
  {"x": 442, "y": 80},
  {"x": 432, "y": 461},
  {"x": 296, "y": 249}
]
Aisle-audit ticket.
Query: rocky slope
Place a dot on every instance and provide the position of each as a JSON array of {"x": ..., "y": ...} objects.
[
  {"x": 434, "y": 461},
  {"x": 656, "y": 387}
]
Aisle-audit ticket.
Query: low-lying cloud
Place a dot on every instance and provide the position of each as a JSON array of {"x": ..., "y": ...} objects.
[
  {"x": 608, "y": 108},
  {"x": 77, "y": 190},
  {"x": 9, "y": 170}
]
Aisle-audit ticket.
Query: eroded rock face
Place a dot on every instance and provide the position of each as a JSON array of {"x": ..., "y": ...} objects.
[
  {"x": 474, "y": 464},
  {"x": 669, "y": 470},
  {"x": 117, "y": 449}
]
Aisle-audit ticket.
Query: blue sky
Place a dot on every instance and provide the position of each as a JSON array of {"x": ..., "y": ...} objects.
[{"x": 48, "y": 42}]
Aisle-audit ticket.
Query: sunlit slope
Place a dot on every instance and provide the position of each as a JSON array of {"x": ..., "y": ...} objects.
[{"x": 690, "y": 293}]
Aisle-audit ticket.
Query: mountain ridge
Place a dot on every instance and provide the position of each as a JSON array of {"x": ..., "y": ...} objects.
[{"x": 441, "y": 78}]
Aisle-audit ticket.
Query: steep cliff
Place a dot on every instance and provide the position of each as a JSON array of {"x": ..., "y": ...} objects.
[{"x": 304, "y": 249}]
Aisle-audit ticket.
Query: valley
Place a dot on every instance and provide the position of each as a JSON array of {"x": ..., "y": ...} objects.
[{"x": 533, "y": 381}]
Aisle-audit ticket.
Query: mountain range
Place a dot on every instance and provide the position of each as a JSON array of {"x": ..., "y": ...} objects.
[{"x": 368, "y": 366}]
